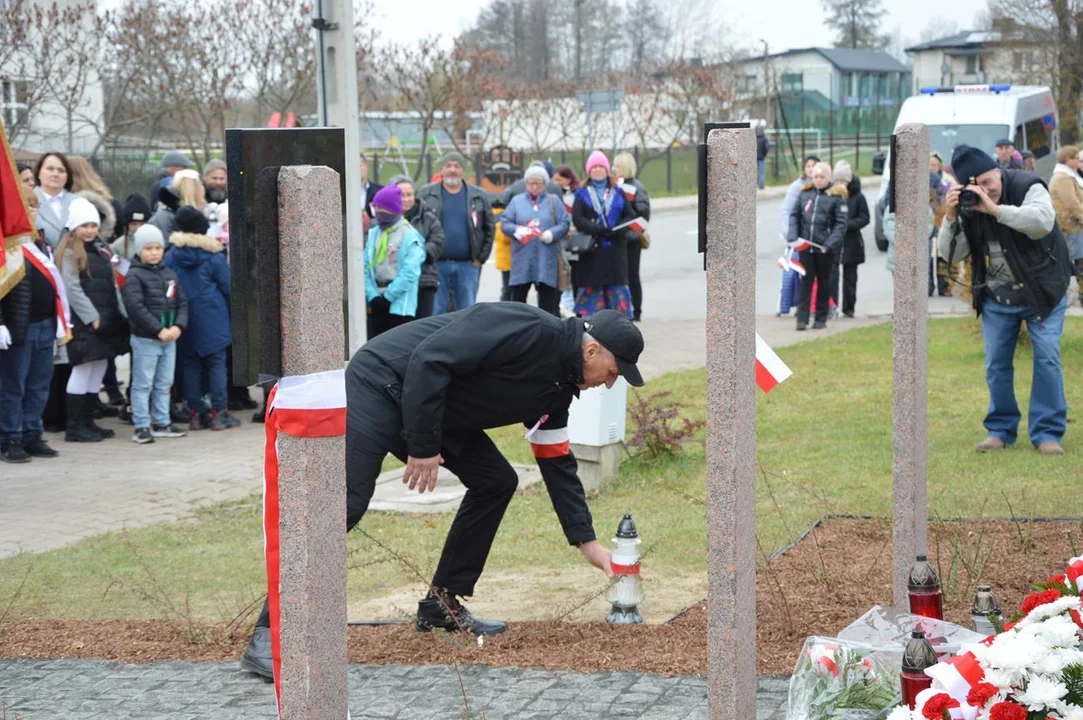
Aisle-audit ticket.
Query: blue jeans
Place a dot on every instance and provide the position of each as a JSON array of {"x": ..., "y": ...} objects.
[
  {"x": 153, "y": 362},
  {"x": 761, "y": 165},
  {"x": 460, "y": 279},
  {"x": 1048, "y": 405},
  {"x": 25, "y": 373},
  {"x": 203, "y": 374}
]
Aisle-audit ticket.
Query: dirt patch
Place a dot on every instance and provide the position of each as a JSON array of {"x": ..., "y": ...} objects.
[{"x": 834, "y": 575}]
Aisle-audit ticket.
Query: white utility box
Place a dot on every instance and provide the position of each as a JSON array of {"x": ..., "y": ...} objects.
[{"x": 597, "y": 417}]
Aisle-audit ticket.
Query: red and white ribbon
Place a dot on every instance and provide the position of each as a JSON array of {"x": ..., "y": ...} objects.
[
  {"x": 47, "y": 267},
  {"x": 301, "y": 406},
  {"x": 957, "y": 676},
  {"x": 770, "y": 370}
]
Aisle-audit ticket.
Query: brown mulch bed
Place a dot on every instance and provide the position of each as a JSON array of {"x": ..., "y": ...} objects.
[{"x": 831, "y": 577}]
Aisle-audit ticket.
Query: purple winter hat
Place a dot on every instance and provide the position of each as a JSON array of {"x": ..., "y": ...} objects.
[{"x": 389, "y": 199}]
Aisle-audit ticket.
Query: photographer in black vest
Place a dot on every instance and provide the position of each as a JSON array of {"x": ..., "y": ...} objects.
[{"x": 1004, "y": 221}]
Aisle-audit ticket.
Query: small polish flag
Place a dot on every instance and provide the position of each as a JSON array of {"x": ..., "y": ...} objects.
[
  {"x": 638, "y": 225},
  {"x": 171, "y": 291},
  {"x": 800, "y": 244},
  {"x": 770, "y": 370},
  {"x": 629, "y": 190},
  {"x": 786, "y": 263}
]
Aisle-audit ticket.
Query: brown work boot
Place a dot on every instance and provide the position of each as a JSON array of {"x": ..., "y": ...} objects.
[
  {"x": 1050, "y": 447},
  {"x": 990, "y": 443}
]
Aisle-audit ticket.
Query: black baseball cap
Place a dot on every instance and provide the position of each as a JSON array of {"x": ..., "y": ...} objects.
[{"x": 620, "y": 336}]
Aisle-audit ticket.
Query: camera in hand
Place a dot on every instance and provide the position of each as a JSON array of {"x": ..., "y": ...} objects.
[{"x": 968, "y": 199}]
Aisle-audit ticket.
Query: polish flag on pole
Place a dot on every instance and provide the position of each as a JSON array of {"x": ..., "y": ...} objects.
[
  {"x": 629, "y": 190},
  {"x": 801, "y": 244},
  {"x": 770, "y": 370},
  {"x": 639, "y": 225},
  {"x": 789, "y": 263},
  {"x": 302, "y": 406}
]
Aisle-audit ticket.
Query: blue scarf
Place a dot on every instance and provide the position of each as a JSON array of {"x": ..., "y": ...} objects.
[{"x": 607, "y": 202}]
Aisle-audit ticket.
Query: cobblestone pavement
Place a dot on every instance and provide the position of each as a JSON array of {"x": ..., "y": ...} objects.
[{"x": 85, "y": 689}]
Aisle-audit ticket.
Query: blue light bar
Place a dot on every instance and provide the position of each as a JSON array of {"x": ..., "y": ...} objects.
[
  {"x": 999, "y": 88},
  {"x": 929, "y": 90}
]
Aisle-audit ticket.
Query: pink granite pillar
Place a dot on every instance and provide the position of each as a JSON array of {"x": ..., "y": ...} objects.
[
  {"x": 731, "y": 424},
  {"x": 911, "y": 340},
  {"x": 312, "y": 477}
]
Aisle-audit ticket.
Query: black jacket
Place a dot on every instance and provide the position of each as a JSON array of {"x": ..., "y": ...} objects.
[
  {"x": 373, "y": 188},
  {"x": 33, "y": 292},
  {"x": 427, "y": 222},
  {"x": 482, "y": 229},
  {"x": 111, "y": 337},
  {"x": 521, "y": 365},
  {"x": 763, "y": 146},
  {"x": 1044, "y": 267},
  {"x": 146, "y": 297},
  {"x": 603, "y": 265},
  {"x": 857, "y": 217},
  {"x": 820, "y": 217},
  {"x": 519, "y": 187},
  {"x": 641, "y": 206}
]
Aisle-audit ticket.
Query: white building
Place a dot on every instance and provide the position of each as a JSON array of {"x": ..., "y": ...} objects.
[
  {"x": 34, "y": 115},
  {"x": 842, "y": 77},
  {"x": 976, "y": 57}
]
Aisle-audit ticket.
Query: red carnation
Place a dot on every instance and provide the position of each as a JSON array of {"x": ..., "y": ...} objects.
[
  {"x": 937, "y": 705},
  {"x": 980, "y": 694},
  {"x": 1038, "y": 599},
  {"x": 1007, "y": 711},
  {"x": 1061, "y": 579}
]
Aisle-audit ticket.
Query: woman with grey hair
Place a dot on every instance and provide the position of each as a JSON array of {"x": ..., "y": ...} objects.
[
  {"x": 535, "y": 222},
  {"x": 425, "y": 220}
]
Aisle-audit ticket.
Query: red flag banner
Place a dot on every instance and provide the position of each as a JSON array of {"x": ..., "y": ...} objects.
[{"x": 14, "y": 219}]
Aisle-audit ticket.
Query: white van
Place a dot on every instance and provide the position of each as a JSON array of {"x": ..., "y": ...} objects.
[{"x": 979, "y": 115}]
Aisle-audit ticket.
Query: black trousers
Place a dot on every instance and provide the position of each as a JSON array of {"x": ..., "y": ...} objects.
[
  {"x": 548, "y": 297},
  {"x": 505, "y": 288},
  {"x": 849, "y": 288},
  {"x": 636, "y": 287},
  {"x": 817, "y": 268},
  {"x": 380, "y": 321},
  {"x": 56, "y": 407},
  {"x": 489, "y": 479},
  {"x": 426, "y": 300}
]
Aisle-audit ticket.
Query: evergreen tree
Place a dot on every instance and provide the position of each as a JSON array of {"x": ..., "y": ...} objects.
[{"x": 856, "y": 23}]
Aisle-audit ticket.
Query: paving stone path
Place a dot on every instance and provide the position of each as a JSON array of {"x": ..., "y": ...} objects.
[{"x": 90, "y": 689}]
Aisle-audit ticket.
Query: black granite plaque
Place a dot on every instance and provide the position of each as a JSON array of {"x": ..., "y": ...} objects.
[{"x": 253, "y": 158}]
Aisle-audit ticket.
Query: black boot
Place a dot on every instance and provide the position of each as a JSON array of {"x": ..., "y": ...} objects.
[
  {"x": 257, "y": 656},
  {"x": 447, "y": 613},
  {"x": 100, "y": 409},
  {"x": 93, "y": 400},
  {"x": 77, "y": 428}
]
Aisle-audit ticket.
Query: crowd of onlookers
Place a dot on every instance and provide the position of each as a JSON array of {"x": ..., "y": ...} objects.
[
  {"x": 827, "y": 207},
  {"x": 570, "y": 239},
  {"x": 149, "y": 277}
]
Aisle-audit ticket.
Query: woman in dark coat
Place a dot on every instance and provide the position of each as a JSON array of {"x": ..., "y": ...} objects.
[
  {"x": 853, "y": 245},
  {"x": 425, "y": 220},
  {"x": 601, "y": 275},
  {"x": 624, "y": 167},
  {"x": 99, "y": 323},
  {"x": 819, "y": 221}
]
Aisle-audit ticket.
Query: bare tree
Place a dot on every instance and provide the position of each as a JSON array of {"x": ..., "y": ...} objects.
[
  {"x": 278, "y": 57},
  {"x": 1051, "y": 29},
  {"x": 938, "y": 27}
]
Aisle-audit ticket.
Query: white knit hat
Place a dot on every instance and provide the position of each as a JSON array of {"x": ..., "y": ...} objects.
[
  {"x": 147, "y": 235},
  {"x": 536, "y": 171},
  {"x": 81, "y": 212},
  {"x": 182, "y": 174}
]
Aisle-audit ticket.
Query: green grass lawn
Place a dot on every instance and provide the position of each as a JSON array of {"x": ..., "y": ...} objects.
[{"x": 824, "y": 444}]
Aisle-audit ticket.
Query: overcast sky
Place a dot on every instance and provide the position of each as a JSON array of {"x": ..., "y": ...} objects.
[{"x": 802, "y": 26}]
